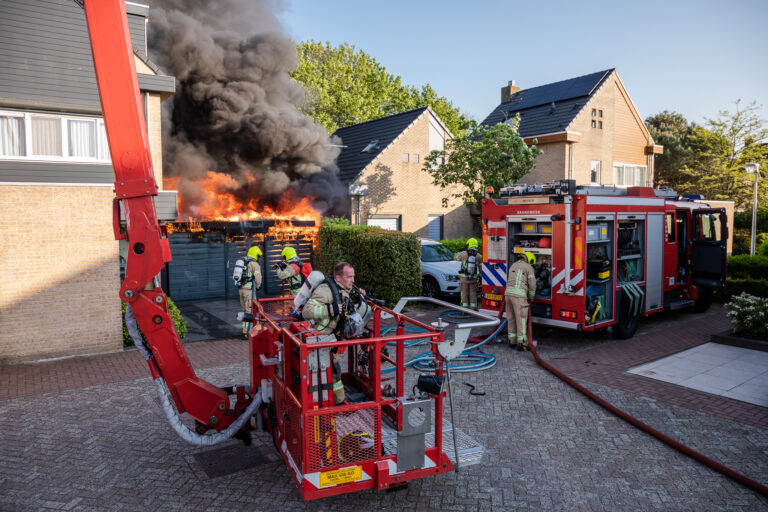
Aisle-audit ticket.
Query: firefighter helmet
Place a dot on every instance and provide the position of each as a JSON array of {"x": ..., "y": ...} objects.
[
  {"x": 530, "y": 257},
  {"x": 254, "y": 252},
  {"x": 288, "y": 253},
  {"x": 545, "y": 242},
  {"x": 472, "y": 242}
]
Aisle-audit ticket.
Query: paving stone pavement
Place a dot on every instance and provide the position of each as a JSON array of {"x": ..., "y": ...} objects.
[{"x": 102, "y": 445}]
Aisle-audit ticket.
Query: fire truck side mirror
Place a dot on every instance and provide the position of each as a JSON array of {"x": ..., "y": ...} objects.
[{"x": 556, "y": 217}]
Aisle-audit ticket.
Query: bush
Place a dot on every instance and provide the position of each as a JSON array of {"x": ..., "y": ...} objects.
[
  {"x": 749, "y": 315},
  {"x": 741, "y": 244},
  {"x": 756, "y": 287},
  {"x": 457, "y": 244},
  {"x": 744, "y": 266},
  {"x": 387, "y": 263},
  {"x": 743, "y": 220},
  {"x": 178, "y": 322}
]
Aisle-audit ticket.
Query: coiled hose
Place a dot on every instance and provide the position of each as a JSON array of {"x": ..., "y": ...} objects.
[
  {"x": 471, "y": 359},
  {"x": 677, "y": 445}
]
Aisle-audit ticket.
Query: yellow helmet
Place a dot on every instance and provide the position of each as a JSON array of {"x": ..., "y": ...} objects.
[
  {"x": 530, "y": 257},
  {"x": 472, "y": 242},
  {"x": 288, "y": 253},
  {"x": 254, "y": 252}
]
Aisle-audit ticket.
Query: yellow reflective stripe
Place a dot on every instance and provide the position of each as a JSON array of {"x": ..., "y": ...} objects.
[
  {"x": 511, "y": 290},
  {"x": 338, "y": 385}
]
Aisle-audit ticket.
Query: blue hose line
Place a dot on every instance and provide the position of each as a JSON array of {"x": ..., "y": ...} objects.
[{"x": 471, "y": 358}]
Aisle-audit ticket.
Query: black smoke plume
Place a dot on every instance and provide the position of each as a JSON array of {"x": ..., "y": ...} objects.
[{"x": 235, "y": 107}]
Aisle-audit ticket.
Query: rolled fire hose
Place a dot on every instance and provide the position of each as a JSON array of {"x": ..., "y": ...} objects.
[
  {"x": 677, "y": 445},
  {"x": 190, "y": 435}
]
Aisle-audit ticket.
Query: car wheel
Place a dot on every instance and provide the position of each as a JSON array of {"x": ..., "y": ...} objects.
[
  {"x": 429, "y": 287},
  {"x": 704, "y": 300}
]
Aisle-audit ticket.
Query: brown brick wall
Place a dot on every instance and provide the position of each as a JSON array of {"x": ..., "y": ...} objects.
[
  {"x": 552, "y": 164},
  {"x": 402, "y": 188},
  {"x": 59, "y": 276}
]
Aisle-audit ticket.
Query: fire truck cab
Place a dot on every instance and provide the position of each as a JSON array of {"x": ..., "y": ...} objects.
[{"x": 605, "y": 256}]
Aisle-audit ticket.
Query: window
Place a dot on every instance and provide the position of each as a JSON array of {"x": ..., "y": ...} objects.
[
  {"x": 594, "y": 172},
  {"x": 372, "y": 146},
  {"x": 12, "y": 135},
  {"x": 435, "y": 227},
  {"x": 405, "y": 157},
  {"x": 415, "y": 158},
  {"x": 708, "y": 227},
  {"x": 594, "y": 112},
  {"x": 33, "y": 136},
  {"x": 594, "y": 123},
  {"x": 600, "y": 125},
  {"x": 599, "y": 113},
  {"x": 46, "y": 136},
  {"x": 625, "y": 175}
]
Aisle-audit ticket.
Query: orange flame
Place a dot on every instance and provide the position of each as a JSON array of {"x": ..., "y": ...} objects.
[{"x": 219, "y": 203}]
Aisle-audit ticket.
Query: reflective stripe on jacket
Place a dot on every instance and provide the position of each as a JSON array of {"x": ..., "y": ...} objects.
[{"x": 521, "y": 280}]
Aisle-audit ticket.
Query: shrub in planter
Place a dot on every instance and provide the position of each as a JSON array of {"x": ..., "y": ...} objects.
[
  {"x": 178, "y": 322},
  {"x": 457, "y": 244},
  {"x": 749, "y": 315}
]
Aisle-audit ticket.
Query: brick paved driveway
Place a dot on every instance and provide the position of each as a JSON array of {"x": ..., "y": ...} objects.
[{"x": 87, "y": 434}]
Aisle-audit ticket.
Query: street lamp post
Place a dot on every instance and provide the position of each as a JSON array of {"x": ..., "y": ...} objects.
[{"x": 754, "y": 168}]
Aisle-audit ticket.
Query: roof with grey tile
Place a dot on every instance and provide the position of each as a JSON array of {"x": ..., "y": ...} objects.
[
  {"x": 549, "y": 108},
  {"x": 365, "y": 141}
]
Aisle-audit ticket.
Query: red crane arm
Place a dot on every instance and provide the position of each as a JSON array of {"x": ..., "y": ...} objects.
[{"x": 135, "y": 186}]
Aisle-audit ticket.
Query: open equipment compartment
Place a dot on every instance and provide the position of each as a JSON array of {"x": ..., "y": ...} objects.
[
  {"x": 534, "y": 235},
  {"x": 600, "y": 268}
]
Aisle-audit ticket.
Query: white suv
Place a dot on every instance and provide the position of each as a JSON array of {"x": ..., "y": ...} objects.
[{"x": 439, "y": 272}]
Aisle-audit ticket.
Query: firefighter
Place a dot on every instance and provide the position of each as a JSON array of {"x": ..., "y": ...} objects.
[
  {"x": 328, "y": 307},
  {"x": 289, "y": 270},
  {"x": 249, "y": 283},
  {"x": 468, "y": 274},
  {"x": 521, "y": 288}
]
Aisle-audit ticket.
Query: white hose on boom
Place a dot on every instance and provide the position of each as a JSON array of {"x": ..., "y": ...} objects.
[{"x": 193, "y": 437}]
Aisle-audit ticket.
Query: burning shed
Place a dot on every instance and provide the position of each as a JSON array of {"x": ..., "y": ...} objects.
[{"x": 204, "y": 254}]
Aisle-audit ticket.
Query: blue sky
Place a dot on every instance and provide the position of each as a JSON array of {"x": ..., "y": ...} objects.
[{"x": 693, "y": 57}]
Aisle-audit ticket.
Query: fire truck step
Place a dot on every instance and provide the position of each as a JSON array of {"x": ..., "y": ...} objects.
[{"x": 680, "y": 304}]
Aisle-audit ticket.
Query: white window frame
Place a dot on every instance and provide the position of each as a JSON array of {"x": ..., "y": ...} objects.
[
  {"x": 591, "y": 167},
  {"x": 63, "y": 118},
  {"x": 26, "y": 135},
  {"x": 634, "y": 167}
]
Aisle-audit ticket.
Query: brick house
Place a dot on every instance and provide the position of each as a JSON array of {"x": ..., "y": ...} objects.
[
  {"x": 60, "y": 272},
  {"x": 382, "y": 164},
  {"x": 587, "y": 128}
]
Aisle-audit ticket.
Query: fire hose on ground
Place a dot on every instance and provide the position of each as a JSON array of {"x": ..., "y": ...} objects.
[{"x": 677, "y": 445}]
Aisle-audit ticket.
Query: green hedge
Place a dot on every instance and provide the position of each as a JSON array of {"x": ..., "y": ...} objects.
[
  {"x": 744, "y": 266},
  {"x": 457, "y": 244},
  {"x": 387, "y": 263},
  {"x": 178, "y": 322},
  {"x": 756, "y": 287}
]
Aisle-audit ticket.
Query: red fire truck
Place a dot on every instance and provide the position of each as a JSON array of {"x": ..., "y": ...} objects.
[{"x": 605, "y": 256}]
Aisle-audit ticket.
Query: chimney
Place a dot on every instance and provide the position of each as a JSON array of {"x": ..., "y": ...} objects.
[{"x": 508, "y": 90}]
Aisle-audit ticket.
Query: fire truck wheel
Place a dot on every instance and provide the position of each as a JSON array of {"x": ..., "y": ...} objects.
[
  {"x": 626, "y": 322},
  {"x": 703, "y": 301},
  {"x": 430, "y": 288}
]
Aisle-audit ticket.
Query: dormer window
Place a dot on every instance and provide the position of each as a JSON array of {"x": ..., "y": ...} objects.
[{"x": 372, "y": 146}]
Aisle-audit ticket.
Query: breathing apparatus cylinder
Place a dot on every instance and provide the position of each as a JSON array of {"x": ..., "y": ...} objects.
[
  {"x": 239, "y": 272},
  {"x": 313, "y": 280},
  {"x": 472, "y": 262}
]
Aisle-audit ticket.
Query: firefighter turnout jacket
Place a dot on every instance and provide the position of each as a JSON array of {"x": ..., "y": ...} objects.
[
  {"x": 321, "y": 309},
  {"x": 291, "y": 275},
  {"x": 521, "y": 280}
]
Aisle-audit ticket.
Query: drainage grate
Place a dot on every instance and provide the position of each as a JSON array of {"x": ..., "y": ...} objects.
[{"x": 229, "y": 459}]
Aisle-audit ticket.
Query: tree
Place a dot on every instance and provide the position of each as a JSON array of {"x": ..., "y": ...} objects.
[
  {"x": 346, "y": 86},
  {"x": 486, "y": 155},
  {"x": 721, "y": 151},
  {"x": 672, "y": 130}
]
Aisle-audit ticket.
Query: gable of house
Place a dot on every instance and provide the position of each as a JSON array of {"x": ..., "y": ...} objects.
[{"x": 364, "y": 142}]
